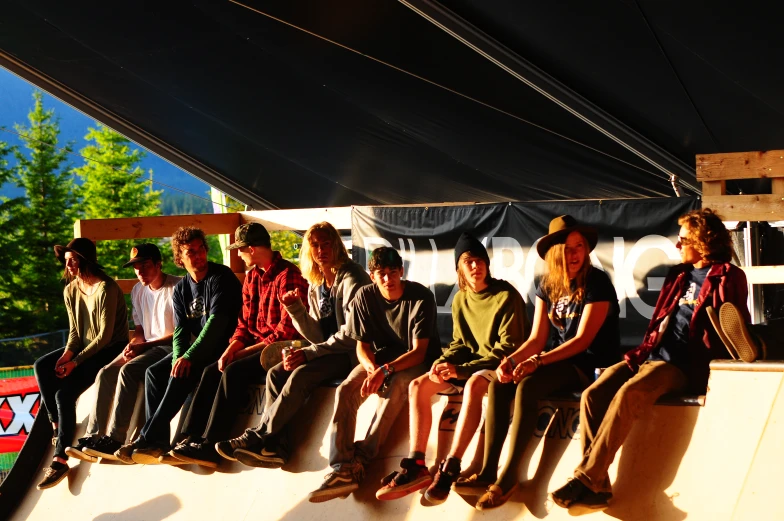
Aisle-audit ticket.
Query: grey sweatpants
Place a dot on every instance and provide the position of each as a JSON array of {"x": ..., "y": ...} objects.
[{"x": 119, "y": 381}]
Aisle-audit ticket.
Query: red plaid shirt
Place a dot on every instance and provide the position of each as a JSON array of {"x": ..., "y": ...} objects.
[{"x": 264, "y": 318}]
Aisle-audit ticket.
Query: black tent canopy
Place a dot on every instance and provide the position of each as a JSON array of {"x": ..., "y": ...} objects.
[{"x": 304, "y": 103}]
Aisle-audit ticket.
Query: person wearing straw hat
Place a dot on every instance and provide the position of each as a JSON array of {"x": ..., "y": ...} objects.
[
  {"x": 678, "y": 345},
  {"x": 577, "y": 311},
  {"x": 97, "y": 333}
]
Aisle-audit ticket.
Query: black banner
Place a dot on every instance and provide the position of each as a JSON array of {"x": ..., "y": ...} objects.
[{"x": 636, "y": 246}]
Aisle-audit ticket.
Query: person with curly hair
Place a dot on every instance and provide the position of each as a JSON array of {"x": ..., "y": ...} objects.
[
  {"x": 673, "y": 357},
  {"x": 206, "y": 303}
]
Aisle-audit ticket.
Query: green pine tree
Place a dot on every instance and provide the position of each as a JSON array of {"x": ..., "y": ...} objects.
[
  {"x": 34, "y": 223},
  {"x": 115, "y": 186}
]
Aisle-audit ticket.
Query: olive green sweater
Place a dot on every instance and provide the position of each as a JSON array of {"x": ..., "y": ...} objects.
[
  {"x": 95, "y": 321},
  {"x": 486, "y": 327}
]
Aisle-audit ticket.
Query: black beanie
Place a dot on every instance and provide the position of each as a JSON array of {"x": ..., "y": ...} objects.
[{"x": 469, "y": 243}]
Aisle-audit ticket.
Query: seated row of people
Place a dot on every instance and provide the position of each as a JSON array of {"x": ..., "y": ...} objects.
[{"x": 378, "y": 334}]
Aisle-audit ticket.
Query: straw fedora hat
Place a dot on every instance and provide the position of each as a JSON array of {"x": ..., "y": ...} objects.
[{"x": 559, "y": 230}]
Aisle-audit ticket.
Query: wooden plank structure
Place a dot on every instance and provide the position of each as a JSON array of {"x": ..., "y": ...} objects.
[
  {"x": 714, "y": 170},
  {"x": 139, "y": 228}
]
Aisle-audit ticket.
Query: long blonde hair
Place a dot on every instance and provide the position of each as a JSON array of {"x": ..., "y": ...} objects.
[
  {"x": 308, "y": 266},
  {"x": 556, "y": 283}
]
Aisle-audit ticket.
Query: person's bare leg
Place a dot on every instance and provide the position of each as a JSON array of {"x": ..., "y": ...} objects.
[
  {"x": 420, "y": 393},
  {"x": 470, "y": 415}
]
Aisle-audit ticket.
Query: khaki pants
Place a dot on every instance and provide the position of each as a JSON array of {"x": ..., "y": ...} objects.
[{"x": 609, "y": 408}]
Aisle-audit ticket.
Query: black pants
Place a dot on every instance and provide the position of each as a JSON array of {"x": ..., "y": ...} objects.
[
  {"x": 560, "y": 376},
  {"x": 59, "y": 395},
  {"x": 164, "y": 396},
  {"x": 220, "y": 397}
]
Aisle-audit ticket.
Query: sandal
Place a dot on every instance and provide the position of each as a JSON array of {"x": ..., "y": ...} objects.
[{"x": 494, "y": 497}]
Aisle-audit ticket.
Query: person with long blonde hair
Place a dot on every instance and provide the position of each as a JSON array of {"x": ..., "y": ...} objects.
[
  {"x": 333, "y": 280},
  {"x": 577, "y": 312}
]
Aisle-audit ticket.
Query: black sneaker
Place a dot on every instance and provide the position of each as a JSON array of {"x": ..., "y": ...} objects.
[
  {"x": 78, "y": 451},
  {"x": 249, "y": 441},
  {"x": 202, "y": 454},
  {"x": 53, "y": 475},
  {"x": 105, "y": 447},
  {"x": 411, "y": 477},
  {"x": 579, "y": 499},
  {"x": 336, "y": 484},
  {"x": 272, "y": 455},
  {"x": 447, "y": 473}
]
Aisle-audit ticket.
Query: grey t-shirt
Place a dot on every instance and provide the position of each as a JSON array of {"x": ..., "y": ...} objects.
[{"x": 391, "y": 327}]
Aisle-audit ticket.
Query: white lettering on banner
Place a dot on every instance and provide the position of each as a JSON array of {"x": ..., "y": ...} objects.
[
  {"x": 511, "y": 272},
  {"x": 511, "y": 262},
  {"x": 22, "y": 413},
  {"x": 623, "y": 270}
]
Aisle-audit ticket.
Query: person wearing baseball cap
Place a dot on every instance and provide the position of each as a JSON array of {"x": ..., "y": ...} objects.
[
  {"x": 263, "y": 320},
  {"x": 153, "y": 316},
  {"x": 98, "y": 331},
  {"x": 577, "y": 310}
]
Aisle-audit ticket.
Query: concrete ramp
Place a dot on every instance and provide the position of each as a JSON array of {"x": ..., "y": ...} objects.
[{"x": 717, "y": 462}]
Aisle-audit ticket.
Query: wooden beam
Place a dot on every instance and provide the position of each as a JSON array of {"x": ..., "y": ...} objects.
[
  {"x": 777, "y": 186},
  {"x": 740, "y": 165},
  {"x": 154, "y": 227},
  {"x": 277, "y": 220},
  {"x": 764, "y": 274},
  {"x": 126, "y": 285},
  {"x": 763, "y": 207},
  {"x": 714, "y": 188}
]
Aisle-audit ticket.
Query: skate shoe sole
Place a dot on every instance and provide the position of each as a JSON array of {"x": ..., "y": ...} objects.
[
  {"x": 74, "y": 453},
  {"x": 734, "y": 327},
  {"x": 320, "y": 496},
  {"x": 714, "y": 319}
]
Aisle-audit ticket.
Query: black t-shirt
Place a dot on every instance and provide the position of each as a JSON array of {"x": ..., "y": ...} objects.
[
  {"x": 391, "y": 327},
  {"x": 565, "y": 315},
  {"x": 328, "y": 319},
  {"x": 672, "y": 347}
]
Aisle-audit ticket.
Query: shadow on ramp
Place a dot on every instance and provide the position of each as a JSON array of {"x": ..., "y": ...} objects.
[{"x": 155, "y": 509}]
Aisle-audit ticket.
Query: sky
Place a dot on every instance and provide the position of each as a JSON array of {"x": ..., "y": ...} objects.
[{"x": 16, "y": 100}]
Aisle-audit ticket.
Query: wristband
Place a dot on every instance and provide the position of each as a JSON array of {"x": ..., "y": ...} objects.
[
  {"x": 511, "y": 361},
  {"x": 537, "y": 361},
  {"x": 387, "y": 369}
]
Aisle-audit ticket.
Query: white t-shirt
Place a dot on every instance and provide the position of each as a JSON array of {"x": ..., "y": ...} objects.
[{"x": 153, "y": 308}]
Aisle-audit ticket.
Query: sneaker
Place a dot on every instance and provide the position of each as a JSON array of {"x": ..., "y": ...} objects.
[
  {"x": 170, "y": 459},
  {"x": 147, "y": 453},
  {"x": 579, "y": 499},
  {"x": 104, "y": 448},
  {"x": 734, "y": 328},
  {"x": 411, "y": 477},
  {"x": 125, "y": 453},
  {"x": 473, "y": 485},
  {"x": 269, "y": 455},
  {"x": 336, "y": 484},
  {"x": 714, "y": 320},
  {"x": 249, "y": 440},
  {"x": 439, "y": 489},
  {"x": 78, "y": 451},
  {"x": 202, "y": 454},
  {"x": 53, "y": 475}
]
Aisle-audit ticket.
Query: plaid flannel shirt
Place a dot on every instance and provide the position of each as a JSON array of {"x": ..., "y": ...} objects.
[{"x": 264, "y": 318}]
